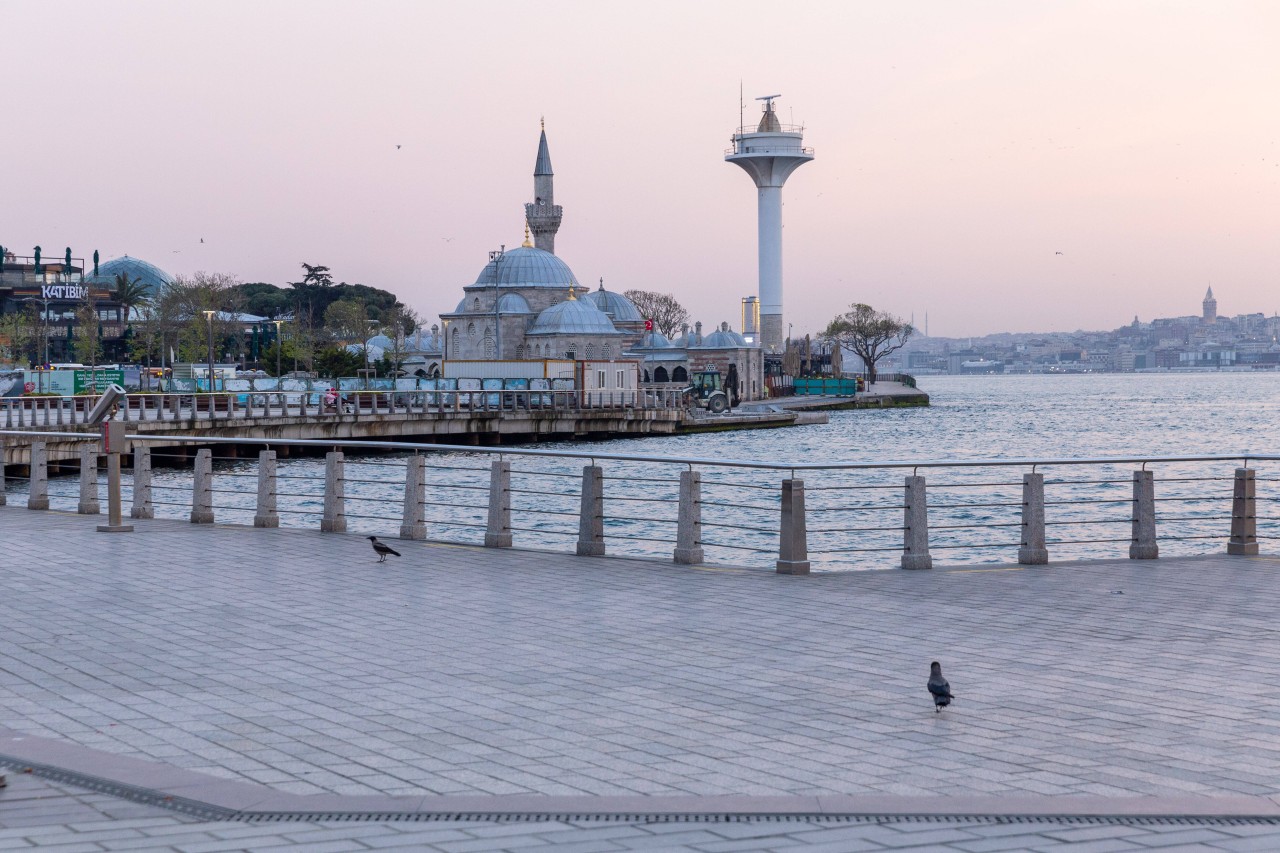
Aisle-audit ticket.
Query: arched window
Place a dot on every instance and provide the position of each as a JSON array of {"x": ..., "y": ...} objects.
[
  {"x": 433, "y": 372},
  {"x": 490, "y": 346},
  {"x": 680, "y": 374},
  {"x": 660, "y": 375},
  {"x": 606, "y": 351},
  {"x": 646, "y": 376},
  {"x": 471, "y": 330},
  {"x": 455, "y": 341},
  {"x": 520, "y": 352},
  {"x": 475, "y": 304},
  {"x": 591, "y": 351}
]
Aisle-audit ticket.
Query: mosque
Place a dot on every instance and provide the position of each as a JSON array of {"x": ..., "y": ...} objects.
[{"x": 526, "y": 304}]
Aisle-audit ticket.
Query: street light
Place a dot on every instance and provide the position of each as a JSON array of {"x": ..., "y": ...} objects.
[
  {"x": 208, "y": 315},
  {"x": 278, "y": 324}
]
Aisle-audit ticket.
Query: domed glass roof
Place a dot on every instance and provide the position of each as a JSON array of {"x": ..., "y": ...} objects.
[
  {"x": 527, "y": 267},
  {"x": 513, "y": 303},
  {"x": 617, "y": 306},
  {"x": 151, "y": 275},
  {"x": 574, "y": 317}
]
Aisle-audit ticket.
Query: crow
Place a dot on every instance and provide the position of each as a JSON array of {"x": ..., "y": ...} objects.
[
  {"x": 381, "y": 550},
  {"x": 939, "y": 687}
]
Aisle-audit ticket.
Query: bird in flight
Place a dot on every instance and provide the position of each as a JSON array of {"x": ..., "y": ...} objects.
[
  {"x": 382, "y": 550},
  {"x": 938, "y": 686},
  {"x": 1057, "y": 253},
  {"x": 397, "y": 147},
  {"x": 201, "y": 239}
]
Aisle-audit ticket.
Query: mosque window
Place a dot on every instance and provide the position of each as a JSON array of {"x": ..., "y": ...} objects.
[
  {"x": 591, "y": 351},
  {"x": 455, "y": 341},
  {"x": 471, "y": 330},
  {"x": 606, "y": 351},
  {"x": 570, "y": 354},
  {"x": 660, "y": 375},
  {"x": 520, "y": 352},
  {"x": 680, "y": 374},
  {"x": 490, "y": 347},
  {"x": 475, "y": 304}
]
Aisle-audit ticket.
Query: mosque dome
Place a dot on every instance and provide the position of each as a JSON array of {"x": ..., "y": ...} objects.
[
  {"x": 723, "y": 338},
  {"x": 654, "y": 340},
  {"x": 151, "y": 276},
  {"x": 619, "y": 308},
  {"x": 371, "y": 353},
  {"x": 573, "y": 317},
  {"x": 527, "y": 267},
  {"x": 381, "y": 341},
  {"x": 513, "y": 303},
  {"x": 423, "y": 340}
]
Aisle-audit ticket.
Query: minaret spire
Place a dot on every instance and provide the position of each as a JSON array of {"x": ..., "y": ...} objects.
[{"x": 543, "y": 215}]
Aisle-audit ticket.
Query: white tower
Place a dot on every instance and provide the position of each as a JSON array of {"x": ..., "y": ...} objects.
[{"x": 769, "y": 155}]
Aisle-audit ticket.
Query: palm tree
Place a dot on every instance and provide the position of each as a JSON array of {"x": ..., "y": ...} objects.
[{"x": 131, "y": 293}]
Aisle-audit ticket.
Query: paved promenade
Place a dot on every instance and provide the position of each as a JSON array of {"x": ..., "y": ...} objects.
[{"x": 197, "y": 688}]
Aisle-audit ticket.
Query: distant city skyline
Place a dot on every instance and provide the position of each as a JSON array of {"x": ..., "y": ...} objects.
[{"x": 1000, "y": 166}]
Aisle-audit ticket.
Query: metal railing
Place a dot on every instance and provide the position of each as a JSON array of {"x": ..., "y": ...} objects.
[
  {"x": 791, "y": 516},
  {"x": 52, "y": 411}
]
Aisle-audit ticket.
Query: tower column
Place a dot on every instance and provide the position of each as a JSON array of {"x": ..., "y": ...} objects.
[{"x": 769, "y": 239}]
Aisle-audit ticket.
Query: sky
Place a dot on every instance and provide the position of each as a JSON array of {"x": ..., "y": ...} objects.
[{"x": 992, "y": 166}]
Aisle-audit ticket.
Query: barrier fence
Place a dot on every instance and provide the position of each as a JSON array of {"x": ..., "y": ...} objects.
[{"x": 793, "y": 517}]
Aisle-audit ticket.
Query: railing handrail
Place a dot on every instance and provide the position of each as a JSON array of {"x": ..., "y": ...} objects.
[{"x": 1033, "y": 462}]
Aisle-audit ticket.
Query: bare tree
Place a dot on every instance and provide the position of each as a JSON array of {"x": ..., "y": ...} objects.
[
  {"x": 662, "y": 308},
  {"x": 869, "y": 333}
]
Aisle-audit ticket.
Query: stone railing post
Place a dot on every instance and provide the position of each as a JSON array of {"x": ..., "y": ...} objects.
[
  {"x": 202, "y": 488},
  {"x": 335, "y": 494},
  {"x": 88, "y": 481},
  {"x": 3, "y": 499},
  {"x": 266, "y": 514},
  {"x": 38, "y": 494},
  {"x": 591, "y": 514},
  {"x": 793, "y": 536},
  {"x": 689, "y": 520},
  {"x": 142, "y": 506},
  {"x": 413, "y": 524},
  {"x": 497, "y": 533},
  {"x": 1033, "y": 551},
  {"x": 915, "y": 551},
  {"x": 1143, "y": 544},
  {"x": 1244, "y": 515}
]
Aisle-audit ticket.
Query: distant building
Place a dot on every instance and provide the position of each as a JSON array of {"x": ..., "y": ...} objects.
[{"x": 1209, "y": 307}]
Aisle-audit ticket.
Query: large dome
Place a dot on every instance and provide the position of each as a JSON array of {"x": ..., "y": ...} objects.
[
  {"x": 149, "y": 274},
  {"x": 574, "y": 317},
  {"x": 527, "y": 267}
]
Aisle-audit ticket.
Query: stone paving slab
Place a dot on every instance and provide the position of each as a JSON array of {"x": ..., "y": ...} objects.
[{"x": 292, "y": 661}]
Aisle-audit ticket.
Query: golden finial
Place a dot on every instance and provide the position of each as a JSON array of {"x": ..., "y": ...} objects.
[
  {"x": 526, "y": 242},
  {"x": 572, "y": 296}
]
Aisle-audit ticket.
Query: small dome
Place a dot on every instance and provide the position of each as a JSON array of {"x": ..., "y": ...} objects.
[
  {"x": 654, "y": 340},
  {"x": 423, "y": 341},
  {"x": 723, "y": 339},
  {"x": 462, "y": 307},
  {"x": 381, "y": 341},
  {"x": 370, "y": 352},
  {"x": 527, "y": 267},
  {"x": 149, "y": 274},
  {"x": 513, "y": 303},
  {"x": 573, "y": 317},
  {"x": 619, "y": 308}
]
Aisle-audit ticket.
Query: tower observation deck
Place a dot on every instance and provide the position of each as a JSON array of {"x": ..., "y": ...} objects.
[{"x": 769, "y": 154}]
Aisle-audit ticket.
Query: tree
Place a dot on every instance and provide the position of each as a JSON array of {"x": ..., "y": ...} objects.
[
  {"x": 869, "y": 333},
  {"x": 18, "y": 334},
  {"x": 662, "y": 308},
  {"x": 347, "y": 321},
  {"x": 131, "y": 294},
  {"x": 88, "y": 340}
]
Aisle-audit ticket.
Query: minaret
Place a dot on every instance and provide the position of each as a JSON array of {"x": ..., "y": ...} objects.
[
  {"x": 543, "y": 215},
  {"x": 769, "y": 155},
  {"x": 1210, "y": 306}
]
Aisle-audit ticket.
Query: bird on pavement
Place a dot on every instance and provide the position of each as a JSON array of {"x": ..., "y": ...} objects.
[
  {"x": 381, "y": 550},
  {"x": 939, "y": 687}
]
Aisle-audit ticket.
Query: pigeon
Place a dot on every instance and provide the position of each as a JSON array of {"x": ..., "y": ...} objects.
[
  {"x": 938, "y": 686},
  {"x": 381, "y": 550}
]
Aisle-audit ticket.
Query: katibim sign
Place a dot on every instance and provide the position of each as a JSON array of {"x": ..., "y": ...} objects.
[{"x": 63, "y": 293}]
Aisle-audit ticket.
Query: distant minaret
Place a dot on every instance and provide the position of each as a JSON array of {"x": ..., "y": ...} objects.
[
  {"x": 1210, "y": 307},
  {"x": 543, "y": 215},
  {"x": 769, "y": 155}
]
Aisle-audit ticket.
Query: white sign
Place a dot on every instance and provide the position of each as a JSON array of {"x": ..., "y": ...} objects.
[{"x": 64, "y": 291}]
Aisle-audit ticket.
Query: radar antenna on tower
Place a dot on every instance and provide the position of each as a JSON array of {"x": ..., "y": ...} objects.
[{"x": 768, "y": 101}]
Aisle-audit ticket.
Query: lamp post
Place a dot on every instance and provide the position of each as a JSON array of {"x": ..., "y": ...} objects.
[
  {"x": 208, "y": 315},
  {"x": 278, "y": 324}
]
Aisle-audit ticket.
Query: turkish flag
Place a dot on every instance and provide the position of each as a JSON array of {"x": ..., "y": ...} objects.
[{"x": 648, "y": 325}]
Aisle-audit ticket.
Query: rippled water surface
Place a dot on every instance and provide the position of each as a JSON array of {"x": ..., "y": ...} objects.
[{"x": 855, "y": 517}]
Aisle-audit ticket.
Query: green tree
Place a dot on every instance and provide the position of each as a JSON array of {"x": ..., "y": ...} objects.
[
  {"x": 19, "y": 335},
  {"x": 131, "y": 294},
  {"x": 333, "y": 362},
  {"x": 663, "y": 309},
  {"x": 87, "y": 344},
  {"x": 868, "y": 333}
]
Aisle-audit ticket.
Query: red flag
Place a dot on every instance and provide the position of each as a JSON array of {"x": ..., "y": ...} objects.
[{"x": 648, "y": 325}]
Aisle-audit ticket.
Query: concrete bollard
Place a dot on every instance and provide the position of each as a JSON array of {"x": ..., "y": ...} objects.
[
  {"x": 413, "y": 524},
  {"x": 689, "y": 520},
  {"x": 1244, "y": 515},
  {"x": 88, "y": 481},
  {"x": 266, "y": 515},
  {"x": 1033, "y": 551},
  {"x": 335, "y": 495},
  {"x": 1143, "y": 545},
  {"x": 202, "y": 488},
  {"x": 142, "y": 506},
  {"x": 38, "y": 494},
  {"x": 591, "y": 514},
  {"x": 915, "y": 551},
  {"x": 793, "y": 536},
  {"x": 497, "y": 533},
  {"x": 3, "y": 499}
]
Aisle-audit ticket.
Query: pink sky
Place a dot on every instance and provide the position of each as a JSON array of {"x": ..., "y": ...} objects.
[{"x": 960, "y": 145}]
